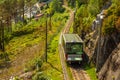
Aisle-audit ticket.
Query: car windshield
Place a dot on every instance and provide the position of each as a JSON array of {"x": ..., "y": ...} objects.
[{"x": 75, "y": 48}]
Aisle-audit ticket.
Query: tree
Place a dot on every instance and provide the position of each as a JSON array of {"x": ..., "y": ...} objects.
[
  {"x": 29, "y": 3},
  {"x": 93, "y": 7},
  {"x": 81, "y": 2},
  {"x": 14, "y": 6},
  {"x": 81, "y": 19},
  {"x": 102, "y": 3},
  {"x": 21, "y": 8},
  {"x": 109, "y": 25},
  {"x": 71, "y": 3},
  {"x": 1, "y": 30},
  {"x": 7, "y": 10},
  {"x": 56, "y": 6}
]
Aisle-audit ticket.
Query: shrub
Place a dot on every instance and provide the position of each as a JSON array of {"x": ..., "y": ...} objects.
[
  {"x": 110, "y": 10},
  {"x": 112, "y": 22},
  {"x": 5, "y": 56},
  {"x": 8, "y": 37},
  {"x": 40, "y": 76},
  {"x": 56, "y": 6},
  {"x": 109, "y": 25},
  {"x": 33, "y": 64},
  {"x": 22, "y": 32}
]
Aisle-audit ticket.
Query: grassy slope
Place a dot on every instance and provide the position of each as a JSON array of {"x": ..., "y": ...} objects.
[
  {"x": 35, "y": 34},
  {"x": 53, "y": 67},
  {"x": 21, "y": 48},
  {"x": 28, "y": 39}
]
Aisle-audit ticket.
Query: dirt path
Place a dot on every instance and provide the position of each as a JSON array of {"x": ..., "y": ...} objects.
[{"x": 17, "y": 65}]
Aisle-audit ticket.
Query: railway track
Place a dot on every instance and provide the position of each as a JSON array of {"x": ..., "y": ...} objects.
[
  {"x": 61, "y": 51},
  {"x": 77, "y": 72}
]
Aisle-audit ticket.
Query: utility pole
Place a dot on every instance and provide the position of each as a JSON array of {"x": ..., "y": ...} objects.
[
  {"x": 97, "y": 55},
  {"x": 1, "y": 34},
  {"x": 46, "y": 39},
  {"x": 98, "y": 59},
  {"x": 100, "y": 53}
]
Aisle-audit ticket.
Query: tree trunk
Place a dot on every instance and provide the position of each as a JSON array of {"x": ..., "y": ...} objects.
[
  {"x": 3, "y": 48},
  {"x": 23, "y": 11},
  {"x": 0, "y": 34},
  {"x": 9, "y": 27},
  {"x": 30, "y": 12}
]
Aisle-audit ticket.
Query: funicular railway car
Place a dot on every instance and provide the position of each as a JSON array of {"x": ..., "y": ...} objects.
[{"x": 73, "y": 47}]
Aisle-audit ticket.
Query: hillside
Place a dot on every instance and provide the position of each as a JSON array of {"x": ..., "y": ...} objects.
[
  {"x": 100, "y": 43},
  {"x": 23, "y": 56},
  {"x": 103, "y": 49},
  {"x": 111, "y": 68},
  {"x": 30, "y": 32}
]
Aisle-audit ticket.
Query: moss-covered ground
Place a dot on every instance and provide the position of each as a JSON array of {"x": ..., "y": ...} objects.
[{"x": 27, "y": 42}]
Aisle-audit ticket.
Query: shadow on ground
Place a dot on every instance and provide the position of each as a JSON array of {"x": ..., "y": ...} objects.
[{"x": 54, "y": 67}]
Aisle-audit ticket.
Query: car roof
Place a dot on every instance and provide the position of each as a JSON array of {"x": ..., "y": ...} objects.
[{"x": 72, "y": 38}]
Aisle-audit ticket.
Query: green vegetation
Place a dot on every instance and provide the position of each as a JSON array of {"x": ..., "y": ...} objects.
[
  {"x": 42, "y": 0},
  {"x": 71, "y": 29},
  {"x": 12, "y": 11},
  {"x": 87, "y": 11},
  {"x": 40, "y": 76},
  {"x": 53, "y": 70},
  {"x": 33, "y": 64},
  {"x": 23, "y": 39},
  {"x": 56, "y": 6},
  {"x": 26, "y": 36},
  {"x": 35, "y": 32},
  {"x": 108, "y": 25},
  {"x": 25, "y": 44},
  {"x": 53, "y": 67},
  {"x": 91, "y": 72},
  {"x": 111, "y": 22}
]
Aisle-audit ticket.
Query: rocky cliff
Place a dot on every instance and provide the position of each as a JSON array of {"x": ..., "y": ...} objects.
[
  {"x": 104, "y": 50},
  {"x": 109, "y": 57},
  {"x": 111, "y": 68}
]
